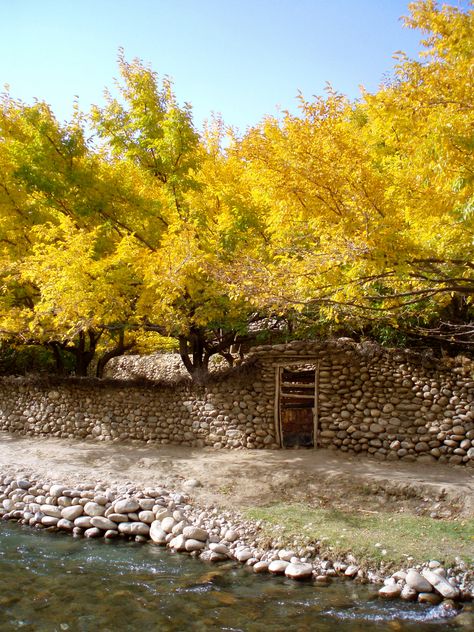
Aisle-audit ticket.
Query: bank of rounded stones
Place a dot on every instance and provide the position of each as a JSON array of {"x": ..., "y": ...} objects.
[
  {"x": 168, "y": 519},
  {"x": 388, "y": 404}
]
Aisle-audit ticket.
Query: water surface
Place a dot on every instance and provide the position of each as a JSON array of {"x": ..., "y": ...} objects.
[{"x": 53, "y": 582}]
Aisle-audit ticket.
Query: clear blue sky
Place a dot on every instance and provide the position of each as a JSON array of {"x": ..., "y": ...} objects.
[{"x": 242, "y": 58}]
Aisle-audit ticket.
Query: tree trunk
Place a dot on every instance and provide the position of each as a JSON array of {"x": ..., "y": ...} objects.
[
  {"x": 193, "y": 353},
  {"x": 119, "y": 349}
]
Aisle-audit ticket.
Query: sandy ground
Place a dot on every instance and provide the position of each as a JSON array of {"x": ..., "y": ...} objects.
[{"x": 238, "y": 479}]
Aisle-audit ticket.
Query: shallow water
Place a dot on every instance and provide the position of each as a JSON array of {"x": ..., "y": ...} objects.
[{"x": 53, "y": 582}]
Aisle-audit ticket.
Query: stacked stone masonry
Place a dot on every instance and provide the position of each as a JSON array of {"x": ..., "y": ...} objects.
[{"x": 391, "y": 405}]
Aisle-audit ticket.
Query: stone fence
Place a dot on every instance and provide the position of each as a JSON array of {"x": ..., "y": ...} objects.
[{"x": 390, "y": 404}]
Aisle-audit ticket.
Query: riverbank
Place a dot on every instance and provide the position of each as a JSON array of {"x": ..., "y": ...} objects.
[{"x": 217, "y": 491}]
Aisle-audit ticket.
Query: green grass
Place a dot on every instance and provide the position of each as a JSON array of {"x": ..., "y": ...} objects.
[{"x": 397, "y": 536}]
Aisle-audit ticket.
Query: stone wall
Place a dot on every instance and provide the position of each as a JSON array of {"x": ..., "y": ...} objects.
[
  {"x": 392, "y": 405},
  {"x": 227, "y": 414}
]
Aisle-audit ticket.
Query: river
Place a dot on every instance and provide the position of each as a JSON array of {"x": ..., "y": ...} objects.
[{"x": 53, "y": 582}]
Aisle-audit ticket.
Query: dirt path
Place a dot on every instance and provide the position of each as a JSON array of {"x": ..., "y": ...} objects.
[{"x": 239, "y": 478}]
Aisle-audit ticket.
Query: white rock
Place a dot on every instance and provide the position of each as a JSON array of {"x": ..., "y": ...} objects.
[
  {"x": 299, "y": 571},
  {"x": 286, "y": 555},
  {"x": 278, "y": 567},
  {"x": 194, "y": 545},
  {"x": 134, "y": 528},
  {"x": 231, "y": 535},
  {"x": 103, "y": 523},
  {"x": 126, "y": 505},
  {"x": 93, "y": 532},
  {"x": 146, "y": 516},
  {"x": 218, "y": 547},
  {"x": 391, "y": 591},
  {"x": 56, "y": 490},
  {"x": 117, "y": 517},
  {"x": 441, "y": 584},
  {"x": 94, "y": 509},
  {"x": 67, "y": 525},
  {"x": 418, "y": 582},
  {"x": 178, "y": 543},
  {"x": 156, "y": 533},
  {"x": 51, "y": 510},
  {"x": 243, "y": 554},
  {"x": 49, "y": 521},
  {"x": 84, "y": 522},
  {"x": 351, "y": 570},
  {"x": 195, "y": 533},
  {"x": 167, "y": 524}
]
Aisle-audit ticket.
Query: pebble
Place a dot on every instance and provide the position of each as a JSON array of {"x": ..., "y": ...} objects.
[
  {"x": 418, "y": 582},
  {"x": 278, "y": 567},
  {"x": 127, "y": 505},
  {"x": 299, "y": 570},
  {"x": 440, "y": 584}
]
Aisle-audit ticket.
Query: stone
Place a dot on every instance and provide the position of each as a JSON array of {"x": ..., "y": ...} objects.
[
  {"x": 286, "y": 555},
  {"x": 49, "y": 521},
  {"x": 418, "y": 582},
  {"x": 430, "y": 598},
  {"x": 126, "y": 505},
  {"x": 56, "y": 490},
  {"x": 390, "y": 591},
  {"x": 146, "y": 516},
  {"x": 260, "y": 567},
  {"x": 94, "y": 509},
  {"x": 178, "y": 543},
  {"x": 195, "y": 533},
  {"x": 351, "y": 570},
  {"x": 93, "y": 532},
  {"x": 134, "y": 528},
  {"x": 440, "y": 584},
  {"x": 243, "y": 554},
  {"x": 117, "y": 517},
  {"x": 299, "y": 571},
  {"x": 51, "y": 510},
  {"x": 231, "y": 535},
  {"x": 218, "y": 547},
  {"x": 194, "y": 545},
  {"x": 84, "y": 522},
  {"x": 278, "y": 567},
  {"x": 157, "y": 534},
  {"x": 167, "y": 524},
  {"x": 408, "y": 593},
  {"x": 103, "y": 523}
]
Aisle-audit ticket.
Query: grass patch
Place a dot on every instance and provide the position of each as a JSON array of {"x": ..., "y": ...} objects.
[{"x": 397, "y": 536}]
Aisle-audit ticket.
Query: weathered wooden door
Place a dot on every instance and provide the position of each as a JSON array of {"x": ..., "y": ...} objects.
[{"x": 297, "y": 401}]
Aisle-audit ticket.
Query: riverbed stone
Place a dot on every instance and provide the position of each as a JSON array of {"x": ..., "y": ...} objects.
[
  {"x": 408, "y": 593},
  {"x": 51, "y": 510},
  {"x": 194, "y": 545},
  {"x": 243, "y": 554},
  {"x": 168, "y": 523},
  {"x": 94, "y": 509},
  {"x": 430, "y": 598},
  {"x": 390, "y": 591},
  {"x": 134, "y": 528},
  {"x": 126, "y": 505},
  {"x": 103, "y": 523},
  {"x": 299, "y": 570},
  {"x": 440, "y": 584},
  {"x": 278, "y": 567},
  {"x": 157, "y": 534},
  {"x": 178, "y": 543},
  {"x": 84, "y": 522},
  {"x": 415, "y": 580},
  {"x": 195, "y": 533}
]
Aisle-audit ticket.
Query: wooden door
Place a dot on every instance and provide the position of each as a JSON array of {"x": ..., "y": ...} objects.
[{"x": 297, "y": 400}]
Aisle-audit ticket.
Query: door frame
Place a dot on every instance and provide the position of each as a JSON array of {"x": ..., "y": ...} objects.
[{"x": 279, "y": 368}]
